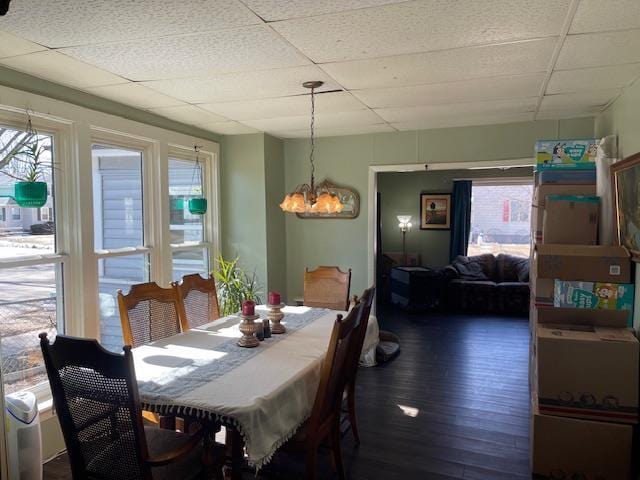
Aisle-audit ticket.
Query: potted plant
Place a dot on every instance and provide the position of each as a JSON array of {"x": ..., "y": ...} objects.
[
  {"x": 234, "y": 285},
  {"x": 28, "y": 165}
]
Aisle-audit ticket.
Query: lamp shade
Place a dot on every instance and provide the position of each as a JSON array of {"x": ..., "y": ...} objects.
[{"x": 404, "y": 218}]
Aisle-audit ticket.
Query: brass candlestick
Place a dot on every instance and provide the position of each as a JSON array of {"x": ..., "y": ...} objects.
[
  {"x": 248, "y": 329},
  {"x": 275, "y": 315}
]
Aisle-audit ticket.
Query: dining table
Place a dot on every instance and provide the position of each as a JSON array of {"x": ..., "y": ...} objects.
[{"x": 262, "y": 395}]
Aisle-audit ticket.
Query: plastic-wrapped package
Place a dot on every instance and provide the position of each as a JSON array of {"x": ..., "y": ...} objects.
[{"x": 606, "y": 156}]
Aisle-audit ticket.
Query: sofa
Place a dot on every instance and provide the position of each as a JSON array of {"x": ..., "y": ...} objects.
[{"x": 488, "y": 283}]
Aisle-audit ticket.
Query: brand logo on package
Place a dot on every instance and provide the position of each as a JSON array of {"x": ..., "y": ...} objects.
[
  {"x": 575, "y": 152},
  {"x": 615, "y": 270}
]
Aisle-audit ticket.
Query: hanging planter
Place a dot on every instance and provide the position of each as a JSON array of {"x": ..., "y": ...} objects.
[
  {"x": 198, "y": 206},
  {"x": 30, "y": 194}
]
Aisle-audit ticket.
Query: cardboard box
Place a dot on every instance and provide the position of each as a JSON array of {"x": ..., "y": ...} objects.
[
  {"x": 571, "y": 219},
  {"x": 588, "y": 263},
  {"x": 586, "y": 371},
  {"x": 566, "y": 154},
  {"x": 549, "y": 315},
  {"x": 595, "y": 295},
  {"x": 570, "y": 448},
  {"x": 539, "y": 202}
]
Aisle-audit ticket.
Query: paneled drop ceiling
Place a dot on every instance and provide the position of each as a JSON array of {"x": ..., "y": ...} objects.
[{"x": 236, "y": 66}]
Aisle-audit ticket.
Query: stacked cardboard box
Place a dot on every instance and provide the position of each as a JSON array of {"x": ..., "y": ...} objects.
[{"x": 583, "y": 358}]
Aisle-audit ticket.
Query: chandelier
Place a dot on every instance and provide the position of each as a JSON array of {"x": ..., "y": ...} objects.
[{"x": 309, "y": 197}]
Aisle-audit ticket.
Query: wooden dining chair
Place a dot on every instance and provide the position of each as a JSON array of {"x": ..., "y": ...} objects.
[
  {"x": 95, "y": 395},
  {"x": 327, "y": 287},
  {"x": 324, "y": 422},
  {"x": 149, "y": 312},
  {"x": 352, "y": 368},
  {"x": 200, "y": 299}
]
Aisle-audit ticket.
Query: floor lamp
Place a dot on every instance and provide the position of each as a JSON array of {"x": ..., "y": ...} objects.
[{"x": 405, "y": 226}]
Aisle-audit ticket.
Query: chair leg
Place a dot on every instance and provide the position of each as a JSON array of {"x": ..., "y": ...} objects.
[
  {"x": 336, "y": 451},
  {"x": 351, "y": 405},
  {"x": 311, "y": 460}
]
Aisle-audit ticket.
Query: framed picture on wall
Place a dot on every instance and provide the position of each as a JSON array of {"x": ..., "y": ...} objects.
[
  {"x": 435, "y": 211},
  {"x": 625, "y": 179}
]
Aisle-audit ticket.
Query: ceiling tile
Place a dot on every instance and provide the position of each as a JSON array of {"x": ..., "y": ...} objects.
[
  {"x": 599, "y": 49},
  {"x": 240, "y": 49},
  {"x": 229, "y": 128},
  {"x": 436, "y": 67},
  {"x": 326, "y": 120},
  {"x": 135, "y": 95},
  {"x": 285, "y": 106},
  {"x": 421, "y": 26},
  {"x": 601, "y": 16},
  {"x": 495, "y": 88},
  {"x": 188, "y": 114},
  {"x": 594, "y": 99},
  {"x": 279, "y": 82},
  {"x": 56, "y": 67},
  {"x": 12, "y": 46},
  {"x": 428, "y": 112},
  {"x": 273, "y": 10},
  {"x": 336, "y": 131},
  {"x": 66, "y": 23},
  {"x": 458, "y": 120},
  {"x": 568, "y": 113},
  {"x": 599, "y": 78}
]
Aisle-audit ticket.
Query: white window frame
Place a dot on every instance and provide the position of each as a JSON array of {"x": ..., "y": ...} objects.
[
  {"x": 210, "y": 191},
  {"x": 60, "y": 135}
]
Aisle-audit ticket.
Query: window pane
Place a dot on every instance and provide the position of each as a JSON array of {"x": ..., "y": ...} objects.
[
  {"x": 32, "y": 307},
  {"x": 500, "y": 220},
  {"x": 186, "y": 262},
  {"x": 22, "y": 232},
  {"x": 185, "y": 182},
  {"x": 113, "y": 274},
  {"x": 117, "y": 197}
]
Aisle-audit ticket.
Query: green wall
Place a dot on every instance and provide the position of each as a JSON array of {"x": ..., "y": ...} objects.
[
  {"x": 253, "y": 228},
  {"x": 400, "y": 195},
  {"x": 346, "y": 161},
  {"x": 622, "y": 118}
]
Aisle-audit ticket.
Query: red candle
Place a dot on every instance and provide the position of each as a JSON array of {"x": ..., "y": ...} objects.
[
  {"x": 274, "y": 298},
  {"x": 248, "y": 308}
]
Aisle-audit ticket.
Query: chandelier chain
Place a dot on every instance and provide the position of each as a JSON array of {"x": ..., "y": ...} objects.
[{"x": 313, "y": 143}]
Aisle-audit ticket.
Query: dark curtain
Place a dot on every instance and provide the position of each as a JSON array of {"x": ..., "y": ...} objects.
[{"x": 460, "y": 218}]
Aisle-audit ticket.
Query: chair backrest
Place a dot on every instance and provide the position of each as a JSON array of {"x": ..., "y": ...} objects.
[
  {"x": 149, "y": 312},
  {"x": 360, "y": 333},
  {"x": 95, "y": 395},
  {"x": 327, "y": 287},
  {"x": 333, "y": 378},
  {"x": 200, "y": 299}
]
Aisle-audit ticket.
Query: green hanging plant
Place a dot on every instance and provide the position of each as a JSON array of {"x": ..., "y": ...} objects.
[
  {"x": 234, "y": 286},
  {"x": 197, "y": 205},
  {"x": 28, "y": 164}
]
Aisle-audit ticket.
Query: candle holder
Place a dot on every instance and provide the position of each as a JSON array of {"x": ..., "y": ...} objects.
[
  {"x": 275, "y": 315},
  {"x": 248, "y": 329}
]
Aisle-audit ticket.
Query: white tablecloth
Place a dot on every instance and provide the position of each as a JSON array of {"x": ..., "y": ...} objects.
[{"x": 266, "y": 392}]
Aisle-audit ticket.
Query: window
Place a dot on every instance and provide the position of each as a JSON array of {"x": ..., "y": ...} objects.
[
  {"x": 500, "y": 218},
  {"x": 187, "y": 231},
  {"x": 45, "y": 214},
  {"x": 119, "y": 237},
  {"x": 31, "y": 270}
]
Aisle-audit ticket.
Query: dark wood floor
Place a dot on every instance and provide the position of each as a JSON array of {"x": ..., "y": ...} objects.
[{"x": 453, "y": 405}]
